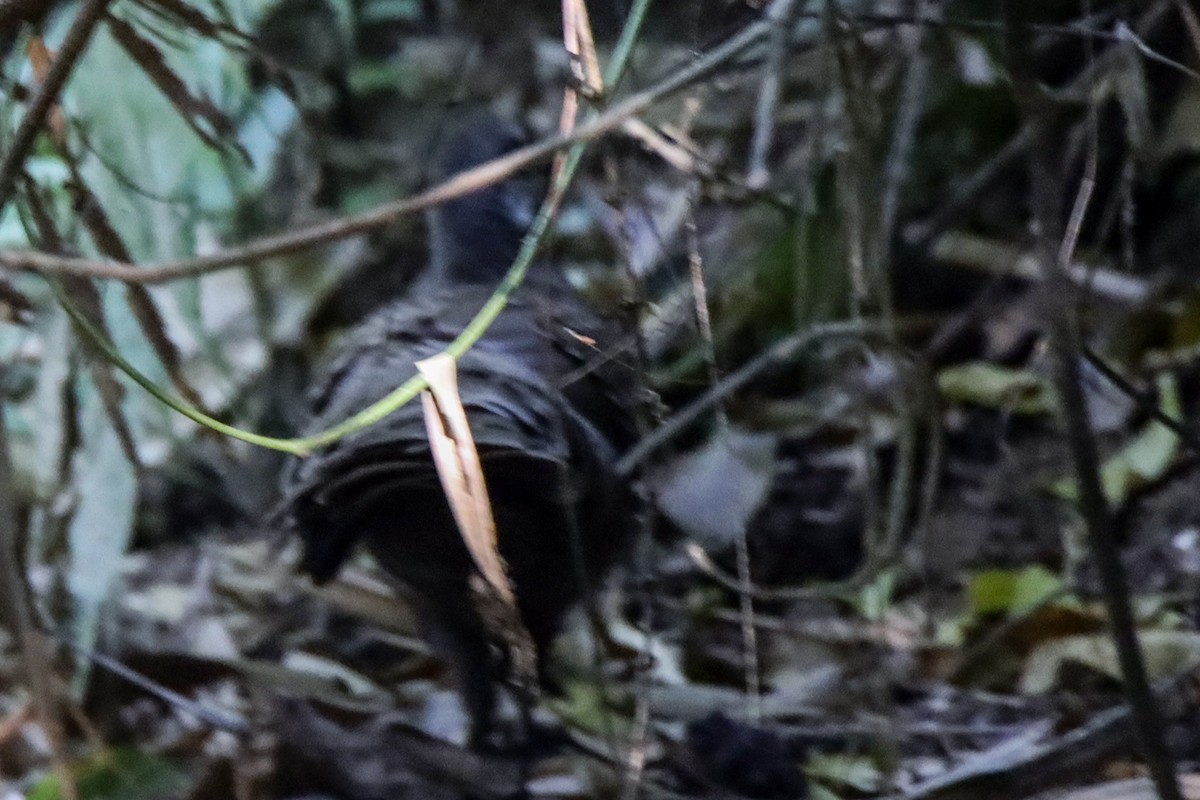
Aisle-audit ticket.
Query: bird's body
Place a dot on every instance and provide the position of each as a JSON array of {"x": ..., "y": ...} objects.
[{"x": 550, "y": 409}]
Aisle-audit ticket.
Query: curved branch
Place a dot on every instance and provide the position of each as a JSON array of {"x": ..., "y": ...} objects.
[
  {"x": 72, "y": 48},
  {"x": 299, "y": 239},
  {"x": 463, "y": 342}
]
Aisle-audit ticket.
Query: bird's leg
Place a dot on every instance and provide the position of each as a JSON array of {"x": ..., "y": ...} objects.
[{"x": 455, "y": 630}]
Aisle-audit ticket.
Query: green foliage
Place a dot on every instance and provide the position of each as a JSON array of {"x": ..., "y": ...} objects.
[
  {"x": 876, "y": 597},
  {"x": 155, "y": 142},
  {"x": 799, "y": 278},
  {"x": 1011, "y": 592},
  {"x": 851, "y": 774},
  {"x": 993, "y": 386},
  {"x": 1143, "y": 460},
  {"x": 119, "y": 774},
  {"x": 588, "y": 707}
]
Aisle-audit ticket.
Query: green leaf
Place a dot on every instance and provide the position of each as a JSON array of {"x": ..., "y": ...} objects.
[
  {"x": 1143, "y": 460},
  {"x": 586, "y": 706},
  {"x": 120, "y": 774},
  {"x": 875, "y": 598},
  {"x": 859, "y": 773},
  {"x": 983, "y": 384},
  {"x": 1011, "y": 592}
]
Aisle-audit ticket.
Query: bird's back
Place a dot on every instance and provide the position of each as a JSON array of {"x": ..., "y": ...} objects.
[{"x": 549, "y": 394}]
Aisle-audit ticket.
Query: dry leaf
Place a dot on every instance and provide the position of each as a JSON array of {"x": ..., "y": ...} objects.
[
  {"x": 459, "y": 469},
  {"x": 461, "y": 475},
  {"x": 40, "y": 60}
]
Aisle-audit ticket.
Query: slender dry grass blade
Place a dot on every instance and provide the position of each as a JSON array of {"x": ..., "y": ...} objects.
[
  {"x": 460, "y": 470},
  {"x": 86, "y": 297},
  {"x": 461, "y": 474},
  {"x": 152, "y": 325},
  {"x": 17, "y": 615},
  {"x": 192, "y": 109}
]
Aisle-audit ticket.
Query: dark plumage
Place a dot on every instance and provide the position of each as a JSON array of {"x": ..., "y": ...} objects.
[{"x": 548, "y": 411}]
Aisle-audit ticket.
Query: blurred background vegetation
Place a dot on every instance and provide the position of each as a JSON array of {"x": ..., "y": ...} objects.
[{"x": 858, "y": 176}]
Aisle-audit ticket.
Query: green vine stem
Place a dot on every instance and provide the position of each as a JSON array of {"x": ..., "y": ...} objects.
[{"x": 402, "y": 394}]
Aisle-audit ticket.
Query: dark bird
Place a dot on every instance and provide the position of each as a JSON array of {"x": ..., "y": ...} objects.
[{"x": 550, "y": 399}]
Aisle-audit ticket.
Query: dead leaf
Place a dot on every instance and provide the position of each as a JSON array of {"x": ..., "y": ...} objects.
[
  {"x": 713, "y": 492},
  {"x": 1167, "y": 654},
  {"x": 221, "y": 131},
  {"x": 459, "y": 470},
  {"x": 461, "y": 476},
  {"x": 1130, "y": 789},
  {"x": 41, "y": 59}
]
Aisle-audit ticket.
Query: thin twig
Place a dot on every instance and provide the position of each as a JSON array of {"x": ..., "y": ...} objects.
[
  {"x": 1006, "y": 260},
  {"x": 463, "y": 183},
  {"x": 221, "y": 719},
  {"x": 16, "y": 614},
  {"x": 940, "y": 21},
  {"x": 757, "y": 174},
  {"x": 964, "y": 198},
  {"x": 840, "y": 590},
  {"x": 635, "y": 760},
  {"x": 72, "y": 48},
  {"x": 1145, "y": 401},
  {"x": 645, "y": 569},
  {"x": 1124, "y": 34},
  {"x": 492, "y": 308},
  {"x": 1055, "y": 253},
  {"x": 913, "y": 98},
  {"x": 570, "y": 104},
  {"x": 87, "y": 299},
  {"x": 750, "y": 665},
  {"x": 463, "y": 342},
  {"x": 1191, "y": 22},
  {"x": 780, "y": 352}
]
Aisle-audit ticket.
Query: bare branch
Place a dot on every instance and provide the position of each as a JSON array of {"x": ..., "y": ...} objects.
[
  {"x": 72, "y": 48},
  {"x": 463, "y": 183},
  {"x": 1056, "y": 247}
]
